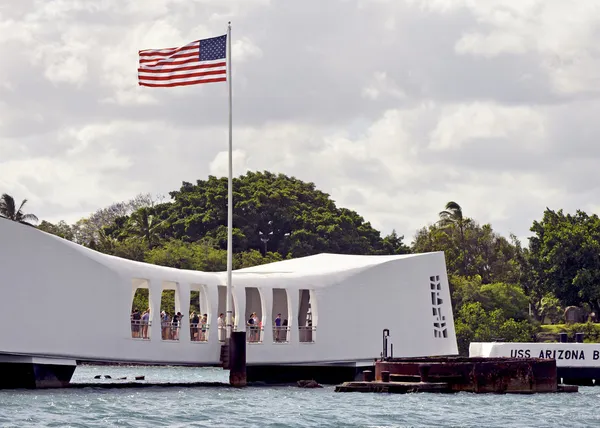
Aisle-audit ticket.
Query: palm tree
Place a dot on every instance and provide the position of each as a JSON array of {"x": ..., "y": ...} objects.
[
  {"x": 145, "y": 225},
  {"x": 453, "y": 216},
  {"x": 8, "y": 209}
]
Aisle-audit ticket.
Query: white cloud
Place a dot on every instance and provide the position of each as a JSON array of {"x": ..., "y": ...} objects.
[
  {"x": 220, "y": 164},
  {"x": 489, "y": 103},
  {"x": 464, "y": 123},
  {"x": 382, "y": 85}
]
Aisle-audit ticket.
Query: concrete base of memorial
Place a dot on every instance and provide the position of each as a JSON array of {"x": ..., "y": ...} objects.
[
  {"x": 330, "y": 374},
  {"x": 35, "y": 372}
]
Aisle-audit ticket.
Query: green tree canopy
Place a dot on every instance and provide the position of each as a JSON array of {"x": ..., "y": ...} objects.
[
  {"x": 510, "y": 298},
  {"x": 297, "y": 219},
  {"x": 473, "y": 250},
  {"x": 565, "y": 257}
]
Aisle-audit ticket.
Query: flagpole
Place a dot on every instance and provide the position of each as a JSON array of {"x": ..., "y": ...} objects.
[{"x": 229, "y": 304}]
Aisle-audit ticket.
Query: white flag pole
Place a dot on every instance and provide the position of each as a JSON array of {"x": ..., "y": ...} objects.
[{"x": 229, "y": 304}]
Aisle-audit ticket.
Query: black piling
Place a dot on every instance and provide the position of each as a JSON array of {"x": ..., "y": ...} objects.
[{"x": 237, "y": 359}]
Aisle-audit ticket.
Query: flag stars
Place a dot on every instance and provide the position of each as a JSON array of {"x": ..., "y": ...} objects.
[{"x": 213, "y": 48}]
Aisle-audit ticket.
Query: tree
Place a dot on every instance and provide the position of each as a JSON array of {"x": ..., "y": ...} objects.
[
  {"x": 452, "y": 216},
  {"x": 550, "y": 308},
  {"x": 87, "y": 230},
  {"x": 565, "y": 257},
  {"x": 61, "y": 229},
  {"x": 9, "y": 210},
  {"x": 489, "y": 255},
  {"x": 509, "y": 298},
  {"x": 298, "y": 219},
  {"x": 475, "y": 324},
  {"x": 394, "y": 244},
  {"x": 145, "y": 225}
]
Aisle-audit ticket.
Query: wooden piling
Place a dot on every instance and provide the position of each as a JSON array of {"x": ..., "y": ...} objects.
[{"x": 237, "y": 359}]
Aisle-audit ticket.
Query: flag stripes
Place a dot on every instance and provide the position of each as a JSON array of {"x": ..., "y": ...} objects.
[{"x": 201, "y": 61}]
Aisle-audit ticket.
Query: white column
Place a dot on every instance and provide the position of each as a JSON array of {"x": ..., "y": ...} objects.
[
  {"x": 182, "y": 304},
  {"x": 212, "y": 294},
  {"x": 155, "y": 287},
  {"x": 293, "y": 304},
  {"x": 266, "y": 295}
]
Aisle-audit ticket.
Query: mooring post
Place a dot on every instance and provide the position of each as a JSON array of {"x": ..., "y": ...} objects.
[
  {"x": 384, "y": 354},
  {"x": 237, "y": 359}
]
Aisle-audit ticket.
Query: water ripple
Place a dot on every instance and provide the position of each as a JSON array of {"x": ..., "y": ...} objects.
[{"x": 278, "y": 407}]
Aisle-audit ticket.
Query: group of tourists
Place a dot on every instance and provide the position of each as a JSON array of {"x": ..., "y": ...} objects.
[
  {"x": 198, "y": 327},
  {"x": 254, "y": 328},
  {"x": 170, "y": 326},
  {"x": 140, "y": 323}
]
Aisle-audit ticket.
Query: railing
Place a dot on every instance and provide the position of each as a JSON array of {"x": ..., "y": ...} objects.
[
  {"x": 169, "y": 331},
  {"x": 281, "y": 334},
  {"x": 199, "y": 332},
  {"x": 254, "y": 334},
  {"x": 140, "y": 329},
  {"x": 307, "y": 334},
  {"x": 222, "y": 332}
]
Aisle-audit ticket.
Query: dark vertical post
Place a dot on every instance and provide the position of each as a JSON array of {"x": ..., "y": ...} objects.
[
  {"x": 386, "y": 333},
  {"x": 237, "y": 359}
]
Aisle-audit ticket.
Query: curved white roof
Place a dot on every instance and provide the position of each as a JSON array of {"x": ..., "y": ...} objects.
[
  {"x": 323, "y": 263},
  {"x": 315, "y": 265}
]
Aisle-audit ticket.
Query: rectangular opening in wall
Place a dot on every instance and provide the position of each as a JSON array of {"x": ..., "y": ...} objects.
[
  {"x": 221, "y": 308},
  {"x": 281, "y": 314},
  {"x": 254, "y": 315},
  {"x": 199, "y": 314},
  {"x": 306, "y": 317},
  {"x": 140, "y": 310},
  {"x": 169, "y": 320}
]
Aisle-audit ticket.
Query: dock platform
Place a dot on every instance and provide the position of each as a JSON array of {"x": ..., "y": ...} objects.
[{"x": 456, "y": 374}]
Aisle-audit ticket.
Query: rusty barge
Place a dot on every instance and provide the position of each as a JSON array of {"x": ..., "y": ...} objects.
[{"x": 456, "y": 374}]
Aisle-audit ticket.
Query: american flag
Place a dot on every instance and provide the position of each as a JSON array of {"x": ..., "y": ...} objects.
[{"x": 202, "y": 61}]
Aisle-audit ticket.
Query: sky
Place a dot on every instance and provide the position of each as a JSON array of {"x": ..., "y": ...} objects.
[{"x": 393, "y": 107}]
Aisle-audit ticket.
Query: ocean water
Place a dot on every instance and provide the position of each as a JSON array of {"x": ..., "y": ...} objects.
[{"x": 279, "y": 406}]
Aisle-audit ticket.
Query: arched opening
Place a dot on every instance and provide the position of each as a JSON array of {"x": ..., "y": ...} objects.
[
  {"x": 221, "y": 308},
  {"x": 199, "y": 314},
  {"x": 140, "y": 317},
  {"x": 307, "y": 316},
  {"x": 254, "y": 315},
  {"x": 170, "y": 314},
  {"x": 282, "y": 315}
]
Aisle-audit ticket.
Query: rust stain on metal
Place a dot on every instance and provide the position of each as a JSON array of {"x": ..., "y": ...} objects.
[{"x": 454, "y": 374}]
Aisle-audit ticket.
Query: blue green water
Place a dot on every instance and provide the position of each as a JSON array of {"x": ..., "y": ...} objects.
[{"x": 279, "y": 406}]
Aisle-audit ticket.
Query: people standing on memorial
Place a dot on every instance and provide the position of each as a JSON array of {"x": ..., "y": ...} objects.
[{"x": 277, "y": 329}]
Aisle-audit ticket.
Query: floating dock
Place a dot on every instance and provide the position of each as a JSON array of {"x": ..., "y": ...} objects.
[{"x": 456, "y": 374}]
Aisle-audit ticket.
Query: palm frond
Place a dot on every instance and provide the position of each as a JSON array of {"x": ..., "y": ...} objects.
[
  {"x": 29, "y": 217},
  {"x": 453, "y": 206},
  {"x": 7, "y": 206}
]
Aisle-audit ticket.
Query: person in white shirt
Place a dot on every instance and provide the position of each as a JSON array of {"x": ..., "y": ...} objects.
[{"x": 221, "y": 327}]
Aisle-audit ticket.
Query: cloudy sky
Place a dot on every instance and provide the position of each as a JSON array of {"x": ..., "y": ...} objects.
[{"x": 393, "y": 107}]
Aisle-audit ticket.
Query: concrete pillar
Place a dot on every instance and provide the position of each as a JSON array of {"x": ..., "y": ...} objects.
[
  {"x": 266, "y": 295},
  {"x": 155, "y": 287},
  {"x": 182, "y": 303},
  {"x": 294, "y": 305}
]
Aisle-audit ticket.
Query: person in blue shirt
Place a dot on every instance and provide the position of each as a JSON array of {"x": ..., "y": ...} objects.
[{"x": 277, "y": 327}]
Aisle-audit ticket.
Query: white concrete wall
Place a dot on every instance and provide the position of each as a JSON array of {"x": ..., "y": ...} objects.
[
  {"x": 352, "y": 315},
  {"x": 565, "y": 354},
  {"x": 59, "y": 299}
]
